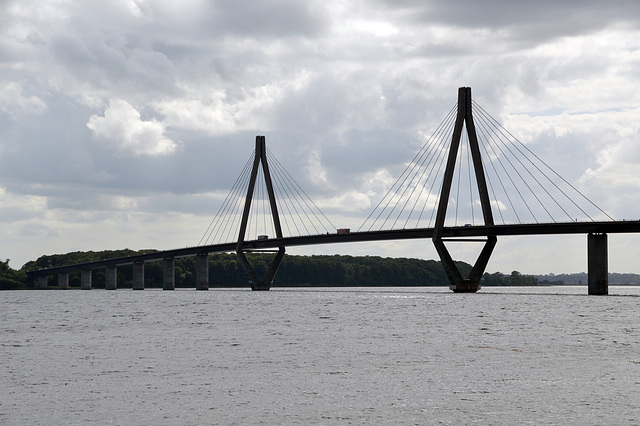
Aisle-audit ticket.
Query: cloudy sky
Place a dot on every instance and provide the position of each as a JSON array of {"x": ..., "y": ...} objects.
[{"x": 124, "y": 123}]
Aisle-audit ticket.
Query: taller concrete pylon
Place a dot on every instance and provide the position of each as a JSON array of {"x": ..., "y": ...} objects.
[{"x": 460, "y": 284}]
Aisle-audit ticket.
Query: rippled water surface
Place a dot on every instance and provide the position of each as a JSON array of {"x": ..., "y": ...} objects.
[{"x": 320, "y": 356}]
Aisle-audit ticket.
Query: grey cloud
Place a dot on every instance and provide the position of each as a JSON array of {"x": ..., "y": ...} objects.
[
  {"x": 266, "y": 18},
  {"x": 527, "y": 22},
  {"x": 15, "y": 214},
  {"x": 197, "y": 23}
]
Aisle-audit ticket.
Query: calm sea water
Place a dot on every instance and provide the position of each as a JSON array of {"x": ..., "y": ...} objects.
[{"x": 320, "y": 356}]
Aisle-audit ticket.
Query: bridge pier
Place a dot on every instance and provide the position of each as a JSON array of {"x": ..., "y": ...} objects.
[
  {"x": 112, "y": 278},
  {"x": 85, "y": 279},
  {"x": 63, "y": 280},
  {"x": 597, "y": 264},
  {"x": 138, "y": 275},
  {"x": 202, "y": 272},
  {"x": 168, "y": 274},
  {"x": 465, "y": 285},
  {"x": 42, "y": 281}
]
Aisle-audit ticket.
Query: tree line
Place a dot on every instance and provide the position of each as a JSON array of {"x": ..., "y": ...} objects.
[{"x": 225, "y": 271}]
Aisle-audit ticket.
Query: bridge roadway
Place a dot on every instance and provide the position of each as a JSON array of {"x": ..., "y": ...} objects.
[{"x": 458, "y": 232}]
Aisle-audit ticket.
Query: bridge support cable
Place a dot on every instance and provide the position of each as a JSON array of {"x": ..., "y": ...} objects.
[
  {"x": 432, "y": 154},
  {"x": 464, "y": 118},
  {"x": 401, "y": 199},
  {"x": 529, "y": 181},
  {"x": 303, "y": 212},
  {"x": 497, "y": 155},
  {"x": 521, "y": 187},
  {"x": 519, "y": 146},
  {"x": 229, "y": 211},
  {"x": 434, "y": 176},
  {"x": 409, "y": 188},
  {"x": 496, "y": 201},
  {"x": 464, "y": 164},
  {"x": 436, "y": 157},
  {"x": 560, "y": 200}
]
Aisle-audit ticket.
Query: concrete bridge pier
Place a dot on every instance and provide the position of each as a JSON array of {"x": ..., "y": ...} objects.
[
  {"x": 202, "y": 272},
  {"x": 63, "y": 280},
  {"x": 42, "y": 281},
  {"x": 138, "y": 275},
  {"x": 112, "y": 278},
  {"x": 168, "y": 274},
  {"x": 466, "y": 285},
  {"x": 597, "y": 264},
  {"x": 85, "y": 279}
]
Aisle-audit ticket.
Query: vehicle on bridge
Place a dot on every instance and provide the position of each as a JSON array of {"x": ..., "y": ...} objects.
[
  {"x": 263, "y": 237},
  {"x": 343, "y": 231}
]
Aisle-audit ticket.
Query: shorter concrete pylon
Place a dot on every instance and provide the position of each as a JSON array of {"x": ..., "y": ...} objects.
[
  {"x": 85, "y": 279},
  {"x": 168, "y": 274},
  {"x": 597, "y": 264},
  {"x": 202, "y": 272},
  {"x": 42, "y": 281},
  {"x": 63, "y": 280},
  {"x": 138, "y": 275},
  {"x": 111, "y": 278}
]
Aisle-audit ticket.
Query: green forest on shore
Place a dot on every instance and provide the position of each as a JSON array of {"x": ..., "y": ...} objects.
[{"x": 295, "y": 271}]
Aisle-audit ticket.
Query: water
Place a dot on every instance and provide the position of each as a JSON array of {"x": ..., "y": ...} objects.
[{"x": 320, "y": 356}]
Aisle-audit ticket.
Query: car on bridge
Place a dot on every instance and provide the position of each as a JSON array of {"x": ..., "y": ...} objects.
[
  {"x": 263, "y": 237},
  {"x": 343, "y": 231}
]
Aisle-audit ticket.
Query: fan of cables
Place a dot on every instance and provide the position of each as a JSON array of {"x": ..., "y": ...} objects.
[
  {"x": 522, "y": 188},
  {"x": 298, "y": 214}
]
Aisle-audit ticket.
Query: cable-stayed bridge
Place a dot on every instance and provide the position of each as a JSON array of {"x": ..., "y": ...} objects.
[{"x": 471, "y": 182}]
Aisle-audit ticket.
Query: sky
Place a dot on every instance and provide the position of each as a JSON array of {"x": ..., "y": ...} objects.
[{"x": 124, "y": 124}]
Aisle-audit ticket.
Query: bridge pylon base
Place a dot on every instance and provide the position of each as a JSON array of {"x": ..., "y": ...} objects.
[
  {"x": 260, "y": 286},
  {"x": 470, "y": 283},
  {"x": 465, "y": 286},
  {"x": 264, "y": 283}
]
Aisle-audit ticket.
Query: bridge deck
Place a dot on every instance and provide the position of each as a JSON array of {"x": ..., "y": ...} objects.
[{"x": 610, "y": 227}]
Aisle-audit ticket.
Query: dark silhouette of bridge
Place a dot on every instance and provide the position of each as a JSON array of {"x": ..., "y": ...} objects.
[{"x": 413, "y": 188}]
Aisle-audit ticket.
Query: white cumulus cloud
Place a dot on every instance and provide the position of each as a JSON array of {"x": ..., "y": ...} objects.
[{"x": 122, "y": 128}]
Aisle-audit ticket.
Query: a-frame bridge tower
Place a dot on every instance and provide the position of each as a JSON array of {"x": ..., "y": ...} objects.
[
  {"x": 464, "y": 119},
  {"x": 260, "y": 158}
]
